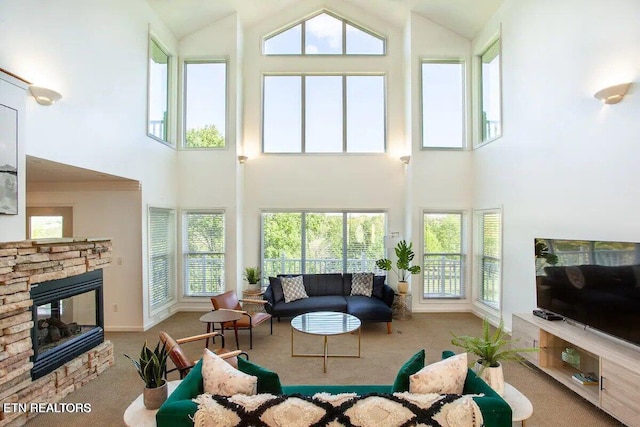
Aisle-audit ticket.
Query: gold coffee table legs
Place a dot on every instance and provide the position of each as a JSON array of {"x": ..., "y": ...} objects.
[{"x": 325, "y": 354}]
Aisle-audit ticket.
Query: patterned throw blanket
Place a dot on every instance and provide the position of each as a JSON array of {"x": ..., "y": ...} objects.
[{"x": 347, "y": 409}]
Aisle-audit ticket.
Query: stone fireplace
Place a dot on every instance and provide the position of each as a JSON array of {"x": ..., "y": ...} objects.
[
  {"x": 67, "y": 320},
  {"x": 51, "y": 320}
]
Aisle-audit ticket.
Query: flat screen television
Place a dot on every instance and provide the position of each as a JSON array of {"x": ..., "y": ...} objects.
[{"x": 594, "y": 283}]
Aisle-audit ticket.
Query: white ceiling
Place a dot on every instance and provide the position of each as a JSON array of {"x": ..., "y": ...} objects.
[
  {"x": 41, "y": 170},
  {"x": 465, "y": 17}
]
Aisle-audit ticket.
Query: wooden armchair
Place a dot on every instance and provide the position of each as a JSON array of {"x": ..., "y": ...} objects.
[
  {"x": 180, "y": 360},
  {"x": 229, "y": 301}
]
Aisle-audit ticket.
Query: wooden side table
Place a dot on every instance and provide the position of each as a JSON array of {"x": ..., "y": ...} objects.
[
  {"x": 137, "y": 415},
  {"x": 401, "y": 307}
]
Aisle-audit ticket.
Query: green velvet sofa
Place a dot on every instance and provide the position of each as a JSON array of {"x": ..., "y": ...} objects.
[{"x": 179, "y": 409}]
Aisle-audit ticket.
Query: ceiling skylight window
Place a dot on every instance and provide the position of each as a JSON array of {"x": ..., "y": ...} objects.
[{"x": 324, "y": 34}]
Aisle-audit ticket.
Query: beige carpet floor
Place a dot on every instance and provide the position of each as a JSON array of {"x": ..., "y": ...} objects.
[{"x": 382, "y": 356}]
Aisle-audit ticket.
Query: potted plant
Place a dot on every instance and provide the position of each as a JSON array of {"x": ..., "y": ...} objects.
[
  {"x": 253, "y": 276},
  {"x": 152, "y": 368},
  {"x": 404, "y": 253},
  {"x": 491, "y": 350}
]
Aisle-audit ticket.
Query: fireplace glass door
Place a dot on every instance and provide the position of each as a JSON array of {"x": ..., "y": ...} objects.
[{"x": 65, "y": 319}]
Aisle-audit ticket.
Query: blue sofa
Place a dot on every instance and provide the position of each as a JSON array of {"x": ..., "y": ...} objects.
[{"x": 332, "y": 292}]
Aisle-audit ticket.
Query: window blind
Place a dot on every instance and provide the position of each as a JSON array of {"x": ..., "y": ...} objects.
[
  {"x": 161, "y": 256},
  {"x": 491, "y": 257}
]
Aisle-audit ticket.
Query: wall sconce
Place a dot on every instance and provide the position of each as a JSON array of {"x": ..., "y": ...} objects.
[
  {"x": 405, "y": 159},
  {"x": 242, "y": 159},
  {"x": 44, "y": 96},
  {"x": 612, "y": 94}
]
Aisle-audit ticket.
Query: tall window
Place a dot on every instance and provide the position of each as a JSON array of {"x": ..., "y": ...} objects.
[
  {"x": 204, "y": 253},
  {"x": 162, "y": 260},
  {"x": 443, "y": 115},
  {"x": 324, "y": 114},
  {"x": 205, "y": 104},
  {"x": 444, "y": 258},
  {"x": 321, "y": 242},
  {"x": 158, "y": 92},
  {"x": 491, "y": 92},
  {"x": 490, "y": 257},
  {"x": 324, "y": 34}
]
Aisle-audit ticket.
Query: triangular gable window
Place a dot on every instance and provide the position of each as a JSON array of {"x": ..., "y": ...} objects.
[{"x": 324, "y": 34}]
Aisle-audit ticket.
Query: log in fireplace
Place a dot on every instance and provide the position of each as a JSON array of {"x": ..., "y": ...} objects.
[{"x": 68, "y": 320}]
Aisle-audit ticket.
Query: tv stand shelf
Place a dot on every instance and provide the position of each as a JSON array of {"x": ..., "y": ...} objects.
[{"x": 616, "y": 364}]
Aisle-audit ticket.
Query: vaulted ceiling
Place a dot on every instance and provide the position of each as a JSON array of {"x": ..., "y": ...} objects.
[{"x": 465, "y": 17}]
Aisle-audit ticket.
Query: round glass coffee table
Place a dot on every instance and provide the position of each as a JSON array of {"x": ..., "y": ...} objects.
[{"x": 325, "y": 324}]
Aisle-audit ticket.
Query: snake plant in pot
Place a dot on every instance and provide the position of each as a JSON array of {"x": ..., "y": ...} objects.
[
  {"x": 491, "y": 349},
  {"x": 405, "y": 254},
  {"x": 152, "y": 368}
]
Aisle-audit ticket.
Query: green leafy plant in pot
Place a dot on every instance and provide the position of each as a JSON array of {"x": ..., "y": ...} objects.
[
  {"x": 152, "y": 368},
  {"x": 403, "y": 267},
  {"x": 491, "y": 349},
  {"x": 253, "y": 275}
]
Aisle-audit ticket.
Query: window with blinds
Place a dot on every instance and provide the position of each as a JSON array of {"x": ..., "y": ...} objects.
[
  {"x": 321, "y": 242},
  {"x": 491, "y": 93},
  {"x": 162, "y": 260},
  {"x": 204, "y": 253},
  {"x": 490, "y": 257},
  {"x": 443, "y": 260}
]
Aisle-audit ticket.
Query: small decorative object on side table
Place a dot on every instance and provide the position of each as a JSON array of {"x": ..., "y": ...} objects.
[
  {"x": 401, "y": 307},
  {"x": 250, "y": 294}
]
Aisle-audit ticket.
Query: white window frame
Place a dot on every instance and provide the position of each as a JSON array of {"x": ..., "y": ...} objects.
[
  {"x": 463, "y": 254},
  {"x": 463, "y": 95},
  {"x": 171, "y": 259},
  {"x": 183, "y": 132},
  {"x": 302, "y": 23},
  {"x": 186, "y": 252},
  {"x": 344, "y": 113},
  {"x": 170, "y": 72},
  {"x": 345, "y": 214},
  {"x": 480, "y": 122},
  {"x": 493, "y": 308}
]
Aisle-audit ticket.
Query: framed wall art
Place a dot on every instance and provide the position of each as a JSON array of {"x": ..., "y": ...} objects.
[{"x": 8, "y": 160}]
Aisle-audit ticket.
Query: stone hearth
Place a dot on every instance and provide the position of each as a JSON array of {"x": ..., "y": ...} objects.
[{"x": 23, "y": 264}]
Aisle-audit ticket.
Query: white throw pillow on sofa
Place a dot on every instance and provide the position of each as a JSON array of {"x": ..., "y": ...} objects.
[
  {"x": 293, "y": 288},
  {"x": 362, "y": 284},
  {"x": 444, "y": 377},
  {"x": 221, "y": 378}
]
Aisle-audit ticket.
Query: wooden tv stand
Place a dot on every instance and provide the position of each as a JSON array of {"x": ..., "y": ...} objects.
[{"x": 615, "y": 364}]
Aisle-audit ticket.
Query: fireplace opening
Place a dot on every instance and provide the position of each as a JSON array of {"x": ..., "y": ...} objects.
[{"x": 68, "y": 320}]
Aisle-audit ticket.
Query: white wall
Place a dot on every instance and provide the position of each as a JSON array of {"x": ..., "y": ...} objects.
[
  {"x": 95, "y": 55},
  {"x": 567, "y": 165},
  {"x": 439, "y": 179},
  {"x": 208, "y": 179},
  {"x": 103, "y": 212}
]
